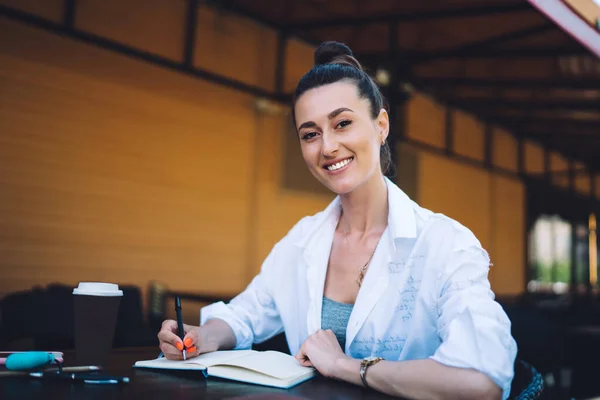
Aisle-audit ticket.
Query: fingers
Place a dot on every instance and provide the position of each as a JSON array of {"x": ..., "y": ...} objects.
[
  {"x": 193, "y": 351},
  {"x": 170, "y": 344},
  {"x": 306, "y": 363},
  {"x": 170, "y": 352},
  {"x": 191, "y": 337},
  {"x": 170, "y": 325},
  {"x": 302, "y": 357},
  {"x": 167, "y": 335}
]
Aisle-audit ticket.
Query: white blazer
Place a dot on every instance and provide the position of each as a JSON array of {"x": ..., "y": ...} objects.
[{"x": 425, "y": 295}]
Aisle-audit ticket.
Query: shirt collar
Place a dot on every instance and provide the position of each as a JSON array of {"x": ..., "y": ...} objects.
[{"x": 401, "y": 216}]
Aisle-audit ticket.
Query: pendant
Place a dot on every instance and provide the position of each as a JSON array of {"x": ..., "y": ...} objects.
[{"x": 361, "y": 276}]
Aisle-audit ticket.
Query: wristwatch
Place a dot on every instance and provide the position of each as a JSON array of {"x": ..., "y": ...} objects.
[{"x": 366, "y": 363}]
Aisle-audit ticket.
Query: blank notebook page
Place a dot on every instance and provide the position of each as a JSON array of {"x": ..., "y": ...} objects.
[
  {"x": 218, "y": 357},
  {"x": 204, "y": 360},
  {"x": 278, "y": 365}
]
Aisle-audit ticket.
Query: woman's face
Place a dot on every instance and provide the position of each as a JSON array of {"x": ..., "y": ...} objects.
[{"x": 340, "y": 142}]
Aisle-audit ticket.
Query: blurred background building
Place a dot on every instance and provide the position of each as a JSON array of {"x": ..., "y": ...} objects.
[{"x": 149, "y": 143}]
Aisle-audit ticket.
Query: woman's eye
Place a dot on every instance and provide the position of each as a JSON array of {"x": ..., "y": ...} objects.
[
  {"x": 344, "y": 123},
  {"x": 309, "y": 135}
]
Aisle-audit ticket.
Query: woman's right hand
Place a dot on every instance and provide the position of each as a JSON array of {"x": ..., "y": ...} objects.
[
  {"x": 212, "y": 336},
  {"x": 171, "y": 344}
]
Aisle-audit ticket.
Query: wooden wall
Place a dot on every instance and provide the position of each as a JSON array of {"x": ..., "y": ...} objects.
[
  {"x": 489, "y": 204},
  {"x": 115, "y": 169}
]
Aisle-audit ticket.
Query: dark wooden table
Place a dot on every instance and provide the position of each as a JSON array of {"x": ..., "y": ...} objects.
[{"x": 145, "y": 384}]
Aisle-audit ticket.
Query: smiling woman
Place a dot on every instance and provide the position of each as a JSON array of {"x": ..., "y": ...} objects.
[
  {"x": 374, "y": 283},
  {"x": 338, "y": 79}
]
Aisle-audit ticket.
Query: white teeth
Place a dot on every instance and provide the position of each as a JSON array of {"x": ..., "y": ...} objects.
[{"x": 339, "y": 165}]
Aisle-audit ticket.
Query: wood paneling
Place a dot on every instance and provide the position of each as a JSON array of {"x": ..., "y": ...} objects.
[
  {"x": 52, "y": 10},
  {"x": 558, "y": 163},
  {"x": 508, "y": 235},
  {"x": 582, "y": 180},
  {"x": 534, "y": 158},
  {"x": 426, "y": 120},
  {"x": 106, "y": 181},
  {"x": 155, "y": 26},
  {"x": 458, "y": 191},
  {"x": 468, "y": 136},
  {"x": 235, "y": 47},
  {"x": 298, "y": 61},
  {"x": 504, "y": 150}
]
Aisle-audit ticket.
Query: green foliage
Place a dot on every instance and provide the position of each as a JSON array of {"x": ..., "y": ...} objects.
[{"x": 543, "y": 272}]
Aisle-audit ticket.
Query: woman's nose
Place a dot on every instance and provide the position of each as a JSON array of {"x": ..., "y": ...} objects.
[{"x": 330, "y": 145}]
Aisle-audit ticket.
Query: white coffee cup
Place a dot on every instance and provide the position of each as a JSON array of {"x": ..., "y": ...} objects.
[
  {"x": 98, "y": 289},
  {"x": 96, "y": 307}
]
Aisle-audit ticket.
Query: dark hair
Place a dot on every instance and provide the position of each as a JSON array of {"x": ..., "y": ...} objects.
[{"x": 335, "y": 62}]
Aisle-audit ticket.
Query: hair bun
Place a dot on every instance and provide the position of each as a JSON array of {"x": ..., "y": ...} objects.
[{"x": 335, "y": 53}]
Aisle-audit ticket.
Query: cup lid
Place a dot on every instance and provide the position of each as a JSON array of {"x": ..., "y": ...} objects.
[{"x": 98, "y": 289}]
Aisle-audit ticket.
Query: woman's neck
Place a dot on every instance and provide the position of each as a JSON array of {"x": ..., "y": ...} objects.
[{"x": 365, "y": 210}]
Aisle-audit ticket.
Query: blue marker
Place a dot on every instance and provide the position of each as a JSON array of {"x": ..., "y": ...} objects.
[{"x": 28, "y": 360}]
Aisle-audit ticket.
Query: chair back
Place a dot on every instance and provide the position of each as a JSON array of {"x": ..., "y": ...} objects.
[
  {"x": 17, "y": 320},
  {"x": 157, "y": 298},
  {"x": 528, "y": 383}
]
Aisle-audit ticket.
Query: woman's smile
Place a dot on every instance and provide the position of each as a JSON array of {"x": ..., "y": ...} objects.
[{"x": 337, "y": 166}]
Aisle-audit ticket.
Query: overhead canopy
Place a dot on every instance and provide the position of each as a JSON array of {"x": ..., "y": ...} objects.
[{"x": 526, "y": 68}]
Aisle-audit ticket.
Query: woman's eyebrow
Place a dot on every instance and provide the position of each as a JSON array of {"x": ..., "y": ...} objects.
[
  {"x": 307, "y": 124},
  {"x": 331, "y": 115},
  {"x": 337, "y": 112}
]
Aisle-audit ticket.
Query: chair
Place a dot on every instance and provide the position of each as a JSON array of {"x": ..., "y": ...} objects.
[
  {"x": 131, "y": 329},
  {"x": 528, "y": 383},
  {"x": 536, "y": 333},
  {"x": 17, "y": 321},
  {"x": 157, "y": 298},
  {"x": 54, "y": 320}
]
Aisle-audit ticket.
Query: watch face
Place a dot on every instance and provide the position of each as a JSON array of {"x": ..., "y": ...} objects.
[{"x": 371, "y": 358}]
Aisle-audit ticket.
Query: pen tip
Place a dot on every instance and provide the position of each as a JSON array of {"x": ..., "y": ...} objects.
[{"x": 184, "y": 355}]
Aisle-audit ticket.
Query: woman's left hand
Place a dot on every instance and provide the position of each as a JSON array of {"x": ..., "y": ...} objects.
[{"x": 322, "y": 351}]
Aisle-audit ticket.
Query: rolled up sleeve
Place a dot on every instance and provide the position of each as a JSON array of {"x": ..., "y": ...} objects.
[
  {"x": 474, "y": 329},
  {"x": 252, "y": 315}
]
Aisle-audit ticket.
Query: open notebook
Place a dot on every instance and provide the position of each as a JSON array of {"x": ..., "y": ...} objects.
[{"x": 268, "y": 368}]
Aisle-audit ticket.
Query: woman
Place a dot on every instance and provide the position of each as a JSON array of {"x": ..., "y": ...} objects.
[{"x": 374, "y": 283}]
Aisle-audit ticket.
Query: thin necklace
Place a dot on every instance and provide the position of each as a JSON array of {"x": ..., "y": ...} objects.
[{"x": 363, "y": 269}]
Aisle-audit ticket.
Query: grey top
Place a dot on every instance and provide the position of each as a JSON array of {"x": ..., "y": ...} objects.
[{"x": 335, "y": 316}]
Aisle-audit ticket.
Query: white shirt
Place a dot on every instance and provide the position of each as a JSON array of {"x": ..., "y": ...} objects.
[{"x": 425, "y": 295}]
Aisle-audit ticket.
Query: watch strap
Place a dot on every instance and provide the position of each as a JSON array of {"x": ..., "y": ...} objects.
[{"x": 363, "y": 368}]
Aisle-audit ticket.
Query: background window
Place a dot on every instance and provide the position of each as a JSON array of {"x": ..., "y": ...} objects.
[{"x": 550, "y": 254}]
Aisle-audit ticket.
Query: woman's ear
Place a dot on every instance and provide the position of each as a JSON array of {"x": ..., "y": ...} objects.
[{"x": 383, "y": 125}]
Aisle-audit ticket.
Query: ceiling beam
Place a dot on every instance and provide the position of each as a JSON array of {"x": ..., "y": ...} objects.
[
  {"x": 486, "y": 44},
  {"x": 530, "y": 52},
  {"x": 556, "y": 135},
  {"x": 528, "y": 123},
  {"x": 70, "y": 8},
  {"x": 137, "y": 54},
  {"x": 523, "y": 83},
  {"x": 570, "y": 149},
  {"x": 234, "y": 8},
  {"x": 529, "y": 104},
  {"x": 416, "y": 15}
]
